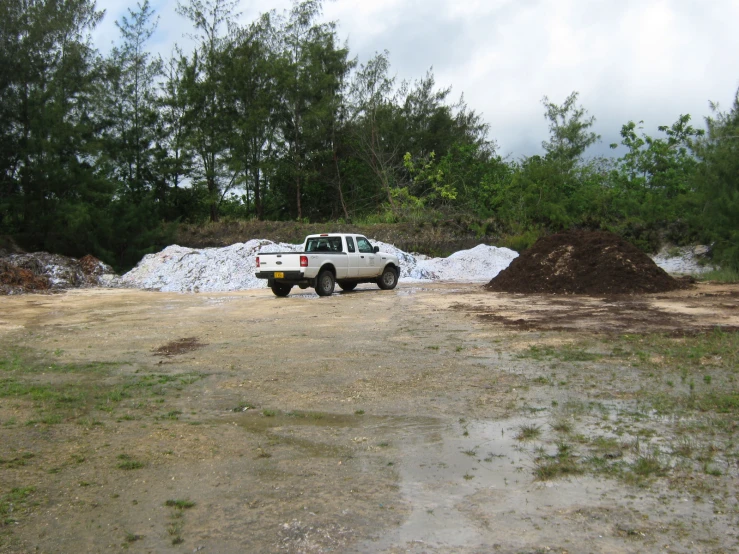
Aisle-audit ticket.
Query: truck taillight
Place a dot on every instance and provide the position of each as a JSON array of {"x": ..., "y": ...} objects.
[
  {"x": 257, "y": 261},
  {"x": 303, "y": 261}
]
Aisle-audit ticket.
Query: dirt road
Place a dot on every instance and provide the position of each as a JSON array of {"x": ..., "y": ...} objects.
[{"x": 431, "y": 418}]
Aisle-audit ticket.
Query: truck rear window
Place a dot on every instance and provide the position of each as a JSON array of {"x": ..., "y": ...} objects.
[{"x": 323, "y": 244}]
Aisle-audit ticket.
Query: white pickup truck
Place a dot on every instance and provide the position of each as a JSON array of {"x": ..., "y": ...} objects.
[{"x": 340, "y": 258}]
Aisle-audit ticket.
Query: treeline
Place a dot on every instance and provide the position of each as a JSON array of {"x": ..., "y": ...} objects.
[{"x": 275, "y": 120}]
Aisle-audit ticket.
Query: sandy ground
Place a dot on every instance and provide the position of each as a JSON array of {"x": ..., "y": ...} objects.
[{"x": 371, "y": 421}]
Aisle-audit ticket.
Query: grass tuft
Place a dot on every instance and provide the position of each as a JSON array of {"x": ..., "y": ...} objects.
[
  {"x": 528, "y": 432},
  {"x": 180, "y": 504}
]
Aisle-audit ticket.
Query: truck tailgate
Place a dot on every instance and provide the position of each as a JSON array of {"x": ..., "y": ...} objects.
[{"x": 280, "y": 261}]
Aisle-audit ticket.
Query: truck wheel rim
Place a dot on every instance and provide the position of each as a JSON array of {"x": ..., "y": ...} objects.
[{"x": 389, "y": 277}]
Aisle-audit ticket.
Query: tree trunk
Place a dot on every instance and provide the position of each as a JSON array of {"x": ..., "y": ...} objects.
[{"x": 338, "y": 185}]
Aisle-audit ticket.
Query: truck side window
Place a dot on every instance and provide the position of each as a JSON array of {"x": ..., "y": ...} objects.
[
  {"x": 350, "y": 244},
  {"x": 364, "y": 246}
]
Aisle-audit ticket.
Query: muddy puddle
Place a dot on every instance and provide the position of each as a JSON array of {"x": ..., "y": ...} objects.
[
  {"x": 449, "y": 473},
  {"x": 470, "y": 485}
]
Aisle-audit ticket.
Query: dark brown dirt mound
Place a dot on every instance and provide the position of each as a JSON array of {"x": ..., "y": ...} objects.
[{"x": 583, "y": 262}]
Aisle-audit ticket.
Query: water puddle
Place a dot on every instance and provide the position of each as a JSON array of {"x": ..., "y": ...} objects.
[
  {"x": 410, "y": 291},
  {"x": 468, "y": 484},
  {"x": 442, "y": 465},
  {"x": 441, "y": 469}
]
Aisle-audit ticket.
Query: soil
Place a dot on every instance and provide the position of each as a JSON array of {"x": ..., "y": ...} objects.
[
  {"x": 370, "y": 421},
  {"x": 180, "y": 346},
  {"x": 583, "y": 262}
]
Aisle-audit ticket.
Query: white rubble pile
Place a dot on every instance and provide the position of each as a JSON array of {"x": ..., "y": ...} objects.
[
  {"x": 480, "y": 263},
  {"x": 686, "y": 260},
  {"x": 180, "y": 269}
]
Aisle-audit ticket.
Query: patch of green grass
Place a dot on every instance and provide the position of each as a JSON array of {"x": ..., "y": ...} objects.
[
  {"x": 709, "y": 469},
  {"x": 606, "y": 455},
  {"x": 131, "y": 537},
  {"x": 723, "y": 275},
  {"x": 128, "y": 463},
  {"x": 51, "y": 419},
  {"x": 528, "y": 432},
  {"x": 564, "y": 353},
  {"x": 12, "y": 502},
  {"x": 684, "y": 447},
  {"x": 61, "y": 400},
  {"x": 20, "y": 360},
  {"x": 721, "y": 402},
  {"x": 561, "y": 425},
  {"x": 12, "y": 362},
  {"x": 269, "y": 413},
  {"x": 561, "y": 464},
  {"x": 644, "y": 467},
  {"x": 717, "y": 348},
  {"x": 180, "y": 504},
  {"x": 18, "y": 461},
  {"x": 174, "y": 529}
]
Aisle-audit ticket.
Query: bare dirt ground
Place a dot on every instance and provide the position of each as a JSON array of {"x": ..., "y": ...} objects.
[{"x": 432, "y": 418}]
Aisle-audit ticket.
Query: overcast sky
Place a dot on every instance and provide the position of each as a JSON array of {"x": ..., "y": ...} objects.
[{"x": 648, "y": 60}]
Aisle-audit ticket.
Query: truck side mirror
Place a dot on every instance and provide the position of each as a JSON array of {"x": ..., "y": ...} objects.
[{"x": 376, "y": 249}]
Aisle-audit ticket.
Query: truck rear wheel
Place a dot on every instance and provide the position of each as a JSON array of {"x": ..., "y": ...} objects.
[
  {"x": 281, "y": 289},
  {"x": 325, "y": 283},
  {"x": 347, "y": 286},
  {"x": 388, "y": 279}
]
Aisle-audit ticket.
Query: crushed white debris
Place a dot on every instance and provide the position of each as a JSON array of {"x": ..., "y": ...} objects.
[
  {"x": 180, "y": 269},
  {"x": 686, "y": 260}
]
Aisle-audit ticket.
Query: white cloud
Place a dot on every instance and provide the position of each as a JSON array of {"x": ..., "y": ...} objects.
[{"x": 648, "y": 60}]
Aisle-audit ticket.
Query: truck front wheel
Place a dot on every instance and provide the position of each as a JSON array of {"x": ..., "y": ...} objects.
[
  {"x": 325, "y": 283},
  {"x": 281, "y": 289},
  {"x": 388, "y": 279}
]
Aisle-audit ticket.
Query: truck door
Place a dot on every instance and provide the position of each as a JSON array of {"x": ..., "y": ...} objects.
[
  {"x": 366, "y": 258},
  {"x": 353, "y": 258}
]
